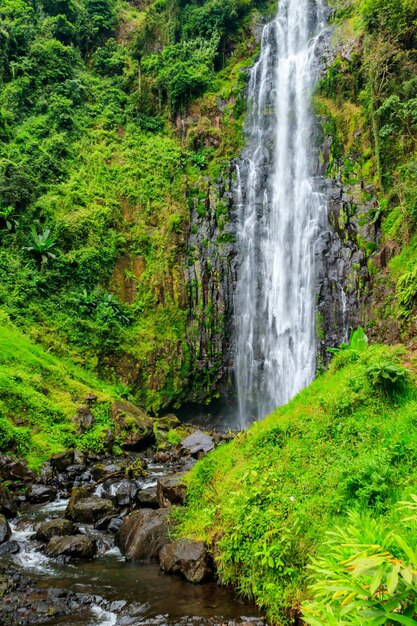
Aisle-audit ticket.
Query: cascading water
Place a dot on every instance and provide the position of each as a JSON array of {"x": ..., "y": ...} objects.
[{"x": 280, "y": 216}]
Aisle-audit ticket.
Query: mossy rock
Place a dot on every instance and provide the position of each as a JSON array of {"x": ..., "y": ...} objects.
[{"x": 133, "y": 427}]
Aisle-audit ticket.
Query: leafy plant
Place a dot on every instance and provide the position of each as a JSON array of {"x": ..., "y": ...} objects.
[
  {"x": 42, "y": 245},
  {"x": 100, "y": 304},
  {"x": 388, "y": 376},
  {"x": 358, "y": 342},
  {"x": 368, "y": 575},
  {"x": 407, "y": 292}
]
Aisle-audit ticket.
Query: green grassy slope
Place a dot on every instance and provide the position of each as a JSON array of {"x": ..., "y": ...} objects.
[
  {"x": 39, "y": 394},
  {"x": 264, "y": 501}
]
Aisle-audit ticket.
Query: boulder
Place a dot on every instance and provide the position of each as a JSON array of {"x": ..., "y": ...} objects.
[
  {"x": 142, "y": 534},
  {"x": 168, "y": 422},
  {"x": 101, "y": 471},
  {"x": 198, "y": 443},
  {"x": 188, "y": 558},
  {"x": 148, "y": 498},
  {"x": 62, "y": 460},
  {"x": 47, "y": 473},
  {"x": 125, "y": 493},
  {"x": 5, "y": 531},
  {"x": 59, "y": 527},
  {"x": 89, "y": 510},
  {"x": 17, "y": 471},
  {"x": 77, "y": 547},
  {"x": 85, "y": 508},
  {"x": 132, "y": 425},
  {"x": 9, "y": 547},
  {"x": 84, "y": 418},
  {"x": 171, "y": 490},
  {"x": 38, "y": 494},
  {"x": 8, "y": 505}
]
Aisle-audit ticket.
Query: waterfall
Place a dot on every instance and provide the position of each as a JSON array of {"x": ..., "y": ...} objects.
[{"x": 280, "y": 215}]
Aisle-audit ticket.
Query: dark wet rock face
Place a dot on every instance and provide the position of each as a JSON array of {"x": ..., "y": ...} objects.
[
  {"x": 5, "y": 531},
  {"x": 142, "y": 534},
  {"x": 211, "y": 277},
  {"x": 55, "y": 528},
  {"x": 188, "y": 558},
  {"x": 171, "y": 490},
  {"x": 76, "y": 546}
]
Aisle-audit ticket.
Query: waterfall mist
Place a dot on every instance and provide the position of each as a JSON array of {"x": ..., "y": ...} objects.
[{"x": 280, "y": 215}]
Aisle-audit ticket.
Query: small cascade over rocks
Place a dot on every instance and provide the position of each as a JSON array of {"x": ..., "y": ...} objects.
[{"x": 281, "y": 215}]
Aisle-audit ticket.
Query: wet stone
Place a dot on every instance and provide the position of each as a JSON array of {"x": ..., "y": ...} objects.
[
  {"x": 197, "y": 443},
  {"x": 41, "y": 493},
  {"x": 77, "y": 546},
  {"x": 171, "y": 490},
  {"x": 148, "y": 498},
  {"x": 143, "y": 534},
  {"x": 59, "y": 527},
  {"x": 62, "y": 460},
  {"x": 9, "y": 547},
  {"x": 188, "y": 558},
  {"x": 5, "y": 531}
]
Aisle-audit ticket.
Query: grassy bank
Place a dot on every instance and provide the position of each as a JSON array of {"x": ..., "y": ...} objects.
[
  {"x": 265, "y": 501},
  {"x": 39, "y": 396}
]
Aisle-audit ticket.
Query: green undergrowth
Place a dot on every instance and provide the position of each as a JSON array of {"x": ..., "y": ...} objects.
[
  {"x": 264, "y": 502},
  {"x": 39, "y": 396},
  {"x": 112, "y": 115}
]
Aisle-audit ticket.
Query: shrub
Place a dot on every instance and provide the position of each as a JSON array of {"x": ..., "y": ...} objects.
[{"x": 367, "y": 576}]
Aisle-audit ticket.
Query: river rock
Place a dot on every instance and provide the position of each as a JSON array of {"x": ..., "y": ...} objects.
[
  {"x": 198, "y": 443},
  {"x": 38, "y": 494},
  {"x": 85, "y": 508},
  {"x": 101, "y": 471},
  {"x": 47, "y": 473},
  {"x": 171, "y": 490},
  {"x": 8, "y": 505},
  {"x": 188, "y": 558},
  {"x": 9, "y": 547},
  {"x": 77, "y": 547},
  {"x": 17, "y": 471},
  {"x": 133, "y": 425},
  {"x": 62, "y": 460},
  {"x": 59, "y": 527},
  {"x": 5, "y": 531},
  {"x": 148, "y": 498},
  {"x": 125, "y": 493},
  {"x": 142, "y": 534}
]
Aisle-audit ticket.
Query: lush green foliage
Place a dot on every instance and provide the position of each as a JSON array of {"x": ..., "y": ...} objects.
[
  {"x": 39, "y": 397},
  {"x": 94, "y": 178},
  {"x": 264, "y": 502},
  {"x": 367, "y": 574}
]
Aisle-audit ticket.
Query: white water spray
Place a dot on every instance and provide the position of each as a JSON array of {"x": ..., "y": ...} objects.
[{"x": 280, "y": 216}]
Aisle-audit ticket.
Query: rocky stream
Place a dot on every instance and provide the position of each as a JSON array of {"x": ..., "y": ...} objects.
[{"x": 87, "y": 543}]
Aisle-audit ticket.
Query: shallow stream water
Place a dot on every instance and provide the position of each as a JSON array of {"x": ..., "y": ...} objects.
[{"x": 119, "y": 593}]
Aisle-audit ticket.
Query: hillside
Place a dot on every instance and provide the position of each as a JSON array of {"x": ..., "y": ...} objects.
[
  {"x": 114, "y": 118},
  {"x": 264, "y": 502}
]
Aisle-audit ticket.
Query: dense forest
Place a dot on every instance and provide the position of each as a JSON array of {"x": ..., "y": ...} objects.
[{"x": 120, "y": 126}]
